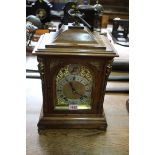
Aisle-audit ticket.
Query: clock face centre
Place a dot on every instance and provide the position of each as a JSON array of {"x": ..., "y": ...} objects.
[{"x": 73, "y": 90}]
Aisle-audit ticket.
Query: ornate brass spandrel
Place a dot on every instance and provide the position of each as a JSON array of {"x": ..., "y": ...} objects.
[
  {"x": 84, "y": 71},
  {"x": 61, "y": 103},
  {"x": 62, "y": 73}
]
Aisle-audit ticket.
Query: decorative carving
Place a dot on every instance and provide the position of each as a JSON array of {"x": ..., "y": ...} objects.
[
  {"x": 41, "y": 67},
  {"x": 108, "y": 71},
  {"x": 62, "y": 73},
  {"x": 108, "y": 68}
]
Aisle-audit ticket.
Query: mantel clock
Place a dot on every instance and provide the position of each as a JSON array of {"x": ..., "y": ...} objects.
[{"x": 74, "y": 65}]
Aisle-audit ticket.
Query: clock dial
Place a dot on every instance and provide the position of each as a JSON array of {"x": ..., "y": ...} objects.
[{"x": 73, "y": 87}]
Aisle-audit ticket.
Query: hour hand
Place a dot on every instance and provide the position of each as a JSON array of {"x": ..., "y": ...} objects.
[{"x": 73, "y": 89}]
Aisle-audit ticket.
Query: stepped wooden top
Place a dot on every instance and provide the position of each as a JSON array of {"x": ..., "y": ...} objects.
[{"x": 70, "y": 40}]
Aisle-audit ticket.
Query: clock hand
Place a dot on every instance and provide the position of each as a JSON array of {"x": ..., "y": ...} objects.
[
  {"x": 76, "y": 92},
  {"x": 71, "y": 85},
  {"x": 73, "y": 89}
]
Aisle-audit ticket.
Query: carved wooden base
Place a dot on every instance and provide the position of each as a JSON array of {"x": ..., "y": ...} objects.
[{"x": 73, "y": 121}]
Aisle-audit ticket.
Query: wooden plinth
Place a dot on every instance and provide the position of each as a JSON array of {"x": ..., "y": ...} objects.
[{"x": 74, "y": 122}]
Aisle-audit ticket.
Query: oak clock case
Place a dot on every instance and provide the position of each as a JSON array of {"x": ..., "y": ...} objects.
[{"x": 74, "y": 74}]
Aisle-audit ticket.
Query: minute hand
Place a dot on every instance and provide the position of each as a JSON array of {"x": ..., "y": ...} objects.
[
  {"x": 71, "y": 85},
  {"x": 73, "y": 89}
]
